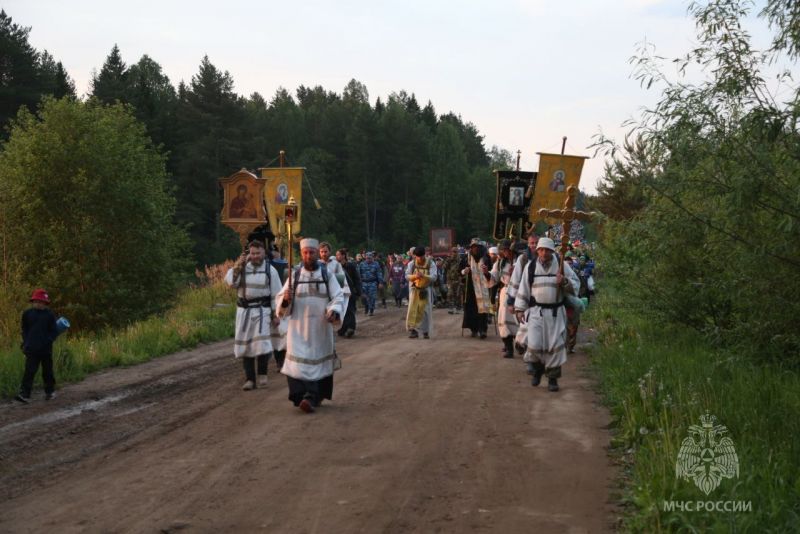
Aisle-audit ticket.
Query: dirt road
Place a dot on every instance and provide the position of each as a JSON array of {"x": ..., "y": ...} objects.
[{"x": 440, "y": 435}]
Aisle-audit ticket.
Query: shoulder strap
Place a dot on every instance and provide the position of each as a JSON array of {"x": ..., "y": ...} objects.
[
  {"x": 324, "y": 270},
  {"x": 531, "y": 272}
]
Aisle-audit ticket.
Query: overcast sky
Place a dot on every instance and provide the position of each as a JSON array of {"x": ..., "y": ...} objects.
[{"x": 525, "y": 72}]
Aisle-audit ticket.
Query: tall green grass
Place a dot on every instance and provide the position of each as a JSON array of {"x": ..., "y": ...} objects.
[
  {"x": 658, "y": 379},
  {"x": 196, "y": 318}
]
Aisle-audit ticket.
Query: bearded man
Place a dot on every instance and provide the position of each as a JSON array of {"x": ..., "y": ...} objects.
[
  {"x": 257, "y": 283},
  {"x": 312, "y": 300}
]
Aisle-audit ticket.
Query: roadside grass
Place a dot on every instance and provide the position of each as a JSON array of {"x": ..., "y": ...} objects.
[
  {"x": 658, "y": 379},
  {"x": 197, "y": 317}
]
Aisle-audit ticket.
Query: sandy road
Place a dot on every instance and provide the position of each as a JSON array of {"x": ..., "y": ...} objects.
[{"x": 440, "y": 435}]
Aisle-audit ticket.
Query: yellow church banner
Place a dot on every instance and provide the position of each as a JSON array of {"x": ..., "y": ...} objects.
[
  {"x": 556, "y": 173},
  {"x": 282, "y": 183}
]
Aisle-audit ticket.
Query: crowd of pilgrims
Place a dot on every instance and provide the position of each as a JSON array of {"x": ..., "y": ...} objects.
[{"x": 519, "y": 286}]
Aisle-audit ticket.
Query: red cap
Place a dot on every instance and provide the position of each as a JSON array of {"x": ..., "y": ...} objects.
[{"x": 40, "y": 295}]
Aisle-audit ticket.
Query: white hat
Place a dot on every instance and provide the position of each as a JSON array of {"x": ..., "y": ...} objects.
[
  {"x": 493, "y": 250},
  {"x": 309, "y": 242},
  {"x": 546, "y": 242}
]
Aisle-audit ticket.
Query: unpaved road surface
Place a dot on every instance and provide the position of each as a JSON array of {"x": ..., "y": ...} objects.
[{"x": 440, "y": 435}]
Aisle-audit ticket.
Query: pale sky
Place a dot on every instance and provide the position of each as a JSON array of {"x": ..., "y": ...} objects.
[{"x": 525, "y": 72}]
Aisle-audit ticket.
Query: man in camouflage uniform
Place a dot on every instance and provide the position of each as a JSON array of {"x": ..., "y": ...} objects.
[
  {"x": 455, "y": 281},
  {"x": 371, "y": 281}
]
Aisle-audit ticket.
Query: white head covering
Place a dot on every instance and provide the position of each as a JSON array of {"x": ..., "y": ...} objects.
[
  {"x": 309, "y": 242},
  {"x": 546, "y": 242},
  {"x": 493, "y": 250}
]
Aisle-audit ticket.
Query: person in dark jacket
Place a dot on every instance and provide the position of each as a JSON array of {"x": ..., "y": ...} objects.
[
  {"x": 38, "y": 334},
  {"x": 348, "y": 327}
]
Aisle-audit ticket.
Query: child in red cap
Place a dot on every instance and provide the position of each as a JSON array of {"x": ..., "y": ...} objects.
[{"x": 38, "y": 333}]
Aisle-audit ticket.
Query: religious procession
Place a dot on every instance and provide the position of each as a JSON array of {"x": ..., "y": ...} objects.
[
  {"x": 375, "y": 214},
  {"x": 530, "y": 290}
]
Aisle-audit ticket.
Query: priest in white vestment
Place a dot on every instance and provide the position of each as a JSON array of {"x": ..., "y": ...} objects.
[
  {"x": 540, "y": 302},
  {"x": 313, "y": 303},
  {"x": 257, "y": 284}
]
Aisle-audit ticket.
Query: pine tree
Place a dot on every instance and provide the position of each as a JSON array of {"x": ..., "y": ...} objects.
[
  {"x": 109, "y": 84},
  {"x": 20, "y": 83},
  {"x": 210, "y": 125}
]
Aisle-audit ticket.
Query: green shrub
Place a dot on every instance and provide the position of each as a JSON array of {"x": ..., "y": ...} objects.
[{"x": 658, "y": 379}]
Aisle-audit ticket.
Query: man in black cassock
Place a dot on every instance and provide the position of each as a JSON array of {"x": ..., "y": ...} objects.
[{"x": 476, "y": 267}]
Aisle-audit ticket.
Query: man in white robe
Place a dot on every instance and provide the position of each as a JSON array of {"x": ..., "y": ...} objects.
[
  {"x": 507, "y": 324},
  {"x": 420, "y": 273},
  {"x": 540, "y": 302},
  {"x": 257, "y": 284},
  {"x": 523, "y": 258},
  {"x": 312, "y": 300}
]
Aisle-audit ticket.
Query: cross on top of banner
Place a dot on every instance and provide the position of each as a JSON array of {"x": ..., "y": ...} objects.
[{"x": 566, "y": 216}]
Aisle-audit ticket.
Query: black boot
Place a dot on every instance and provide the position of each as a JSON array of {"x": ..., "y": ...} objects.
[
  {"x": 509, "y": 344},
  {"x": 552, "y": 384},
  {"x": 538, "y": 372}
]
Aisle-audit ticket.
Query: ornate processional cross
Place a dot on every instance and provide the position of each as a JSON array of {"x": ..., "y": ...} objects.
[{"x": 566, "y": 216}]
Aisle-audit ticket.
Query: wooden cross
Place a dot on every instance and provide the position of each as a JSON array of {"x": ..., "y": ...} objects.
[{"x": 566, "y": 216}]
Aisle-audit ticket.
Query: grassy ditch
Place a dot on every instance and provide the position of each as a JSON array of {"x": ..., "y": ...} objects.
[
  {"x": 658, "y": 379},
  {"x": 197, "y": 317}
]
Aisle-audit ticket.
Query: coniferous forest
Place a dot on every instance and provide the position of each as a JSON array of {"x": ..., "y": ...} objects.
[{"x": 384, "y": 169}]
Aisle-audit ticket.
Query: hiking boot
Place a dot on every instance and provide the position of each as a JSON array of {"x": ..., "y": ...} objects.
[
  {"x": 22, "y": 399},
  {"x": 371, "y": 313},
  {"x": 413, "y": 334},
  {"x": 306, "y": 406},
  {"x": 552, "y": 384},
  {"x": 50, "y": 396},
  {"x": 262, "y": 381},
  {"x": 349, "y": 332},
  {"x": 508, "y": 347},
  {"x": 249, "y": 385},
  {"x": 425, "y": 336},
  {"x": 537, "y": 377},
  {"x": 482, "y": 335}
]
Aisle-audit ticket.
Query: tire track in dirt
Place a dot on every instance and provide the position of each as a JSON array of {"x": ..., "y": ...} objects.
[{"x": 439, "y": 435}]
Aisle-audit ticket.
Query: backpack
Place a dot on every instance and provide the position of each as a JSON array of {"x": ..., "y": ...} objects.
[
  {"x": 296, "y": 276},
  {"x": 532, "y": 301}
]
